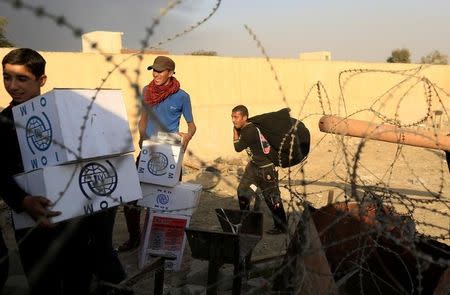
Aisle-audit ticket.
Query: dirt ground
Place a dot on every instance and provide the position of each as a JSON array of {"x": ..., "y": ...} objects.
[
  {"x": 413, "y": 176},
  {"x": 416, "y": 180}
]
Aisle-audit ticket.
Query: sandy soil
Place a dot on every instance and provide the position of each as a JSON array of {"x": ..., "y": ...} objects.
[{"x": 415, "y": 179}]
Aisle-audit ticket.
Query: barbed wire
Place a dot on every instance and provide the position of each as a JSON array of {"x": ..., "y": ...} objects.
[
  {"x": 361, "y": 192},
  {"x": 41, "y": 12},
  {"x": 346, "y": 166}
]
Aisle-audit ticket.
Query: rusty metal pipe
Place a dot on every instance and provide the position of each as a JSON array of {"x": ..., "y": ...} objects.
[{"x": 384, "y": 132}]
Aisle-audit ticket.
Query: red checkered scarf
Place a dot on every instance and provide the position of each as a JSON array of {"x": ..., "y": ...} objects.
[{"x": 155, "y": 94}]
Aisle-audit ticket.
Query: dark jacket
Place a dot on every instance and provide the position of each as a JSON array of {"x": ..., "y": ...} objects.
[
  {"x": 249, "y": 139},
  {"x": 11, "y": 162}
]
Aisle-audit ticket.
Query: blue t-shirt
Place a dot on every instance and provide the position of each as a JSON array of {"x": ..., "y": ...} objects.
[{"x": 168, "y": 113}]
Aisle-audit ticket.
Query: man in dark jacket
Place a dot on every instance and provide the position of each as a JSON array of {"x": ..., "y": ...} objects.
[
  {"x": 54, "y": 256},
  {"x": 260, "y": 172},
  {"x": 22, "y": 82}
]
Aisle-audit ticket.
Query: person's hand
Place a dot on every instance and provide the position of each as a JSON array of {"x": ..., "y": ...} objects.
[
  {"x": 185, "y": 140},
  {"x": 37, "y": 208},
  {"x": 236, "y": 133}
]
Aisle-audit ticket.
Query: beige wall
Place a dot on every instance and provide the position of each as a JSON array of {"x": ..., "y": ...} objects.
[
  {"x": 216, "y": 84},
  {"x": 108, "y": 42},
  {"x": 316, "y": 55}
]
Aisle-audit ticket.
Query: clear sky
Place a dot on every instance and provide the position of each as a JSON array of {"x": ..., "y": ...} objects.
[{"x": 359, "y": 30}]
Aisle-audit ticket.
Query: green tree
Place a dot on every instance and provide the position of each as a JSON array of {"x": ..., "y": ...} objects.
[
  {"x": 204, "y": 52},
  {"x": 434, "y": 58},
  {"x": 4, "y": 42},
  {"x": 400, "y": 55}
]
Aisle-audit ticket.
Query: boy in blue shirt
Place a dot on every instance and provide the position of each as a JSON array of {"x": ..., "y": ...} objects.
[{"x": 164, "y": 104}]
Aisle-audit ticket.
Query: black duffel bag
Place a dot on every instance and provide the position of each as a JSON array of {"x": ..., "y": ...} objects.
[{"x": 289, "y": 137}]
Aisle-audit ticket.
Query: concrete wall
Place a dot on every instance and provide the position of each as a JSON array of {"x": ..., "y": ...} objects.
[
  {"x": 107, "y": 42},
  {"x": 316, "y": 55},
  {"x": 216, "y": 84}
]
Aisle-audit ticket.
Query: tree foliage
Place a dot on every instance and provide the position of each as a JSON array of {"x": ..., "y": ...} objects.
[
  {"x": 204, "y": 52},
  {"x": 4, "y": 42},
  {"x": 400, "y": 55},
  {"x": 435, "y": 58}
]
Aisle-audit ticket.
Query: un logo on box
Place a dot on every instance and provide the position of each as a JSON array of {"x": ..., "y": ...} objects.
[
  {"x": 39, "y": 133},
  {"x": 157, "y": 163},
  {"x": 162, "y": 199},
  {"x": 97, "y": 179}
]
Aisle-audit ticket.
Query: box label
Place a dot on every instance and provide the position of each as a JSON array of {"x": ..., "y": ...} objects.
[
  {"x": 164, "y": 234},
  {"x": 167, "y": 233}
]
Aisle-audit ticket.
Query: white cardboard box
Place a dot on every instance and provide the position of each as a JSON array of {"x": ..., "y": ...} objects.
[
  {"x": 81, "y": 188},
  {"x": 160, "y": 163},
  {"x": 181, "y": 199},
  {"x": 163, "y": 234},
  {"x": 51, "y": 126}
]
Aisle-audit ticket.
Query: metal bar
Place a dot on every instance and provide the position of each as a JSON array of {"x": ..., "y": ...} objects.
[
  {"x": 237, "y": 280},
  {"x": 213, "y": 271},
  {"x": 159, "y": 281}
]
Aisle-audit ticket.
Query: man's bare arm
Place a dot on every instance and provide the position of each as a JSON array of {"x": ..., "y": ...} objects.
[{"x": 188, "y": 136}]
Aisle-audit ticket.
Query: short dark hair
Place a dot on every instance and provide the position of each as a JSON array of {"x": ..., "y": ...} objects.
[
  {"x": 241, "y": 109},
  {"x": 27, "y": 57}
]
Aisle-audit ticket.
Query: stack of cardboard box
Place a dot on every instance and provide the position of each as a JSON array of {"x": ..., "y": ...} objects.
[
  {"x": 75, "y": 146},
  {"x": 171, "y": 203}
]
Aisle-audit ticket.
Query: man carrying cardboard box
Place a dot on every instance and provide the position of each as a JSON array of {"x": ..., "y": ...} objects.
[
  {"x": 55, "y": 257},
  {"x": 164, "y": 102},
  {"x": 23, "y": 76}
]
